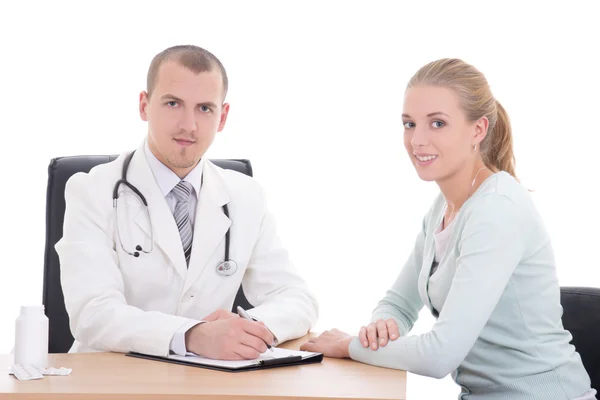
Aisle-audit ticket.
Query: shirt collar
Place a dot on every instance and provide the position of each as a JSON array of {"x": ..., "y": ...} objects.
[{"x": 167, "y": 179}]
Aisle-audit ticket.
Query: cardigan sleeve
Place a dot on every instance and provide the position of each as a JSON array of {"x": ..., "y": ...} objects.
[{"x": 490, "y": 247}]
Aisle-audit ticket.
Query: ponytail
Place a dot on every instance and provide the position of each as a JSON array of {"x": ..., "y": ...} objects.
[{"x": 498, "y": 154}]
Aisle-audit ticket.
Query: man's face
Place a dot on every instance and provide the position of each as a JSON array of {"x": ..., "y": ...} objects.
[{"x": 184, "y": 112}]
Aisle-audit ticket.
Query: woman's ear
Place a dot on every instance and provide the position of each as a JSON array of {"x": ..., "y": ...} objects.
[{"x": 481, "y": 130}]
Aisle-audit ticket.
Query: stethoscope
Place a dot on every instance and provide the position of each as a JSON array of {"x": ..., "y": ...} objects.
[{"x": 226, "y": 267}]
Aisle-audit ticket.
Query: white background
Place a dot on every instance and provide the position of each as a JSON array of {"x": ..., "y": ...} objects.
[{"x": 316, "y": 93}]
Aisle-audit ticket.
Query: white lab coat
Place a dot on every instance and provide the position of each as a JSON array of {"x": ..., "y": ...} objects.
[{"x": 117, "y": 302}]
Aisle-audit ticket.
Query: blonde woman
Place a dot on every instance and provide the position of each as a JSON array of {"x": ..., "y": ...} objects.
[{"x": 482, "y": 263}]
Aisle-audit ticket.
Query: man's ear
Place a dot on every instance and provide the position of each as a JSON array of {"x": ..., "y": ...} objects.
[
  {"x": 224, "y": 114},
  {"x": 144, "y": 99}
]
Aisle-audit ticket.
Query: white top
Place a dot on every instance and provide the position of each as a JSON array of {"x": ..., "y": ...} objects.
[{"x": 441, "y": 238}]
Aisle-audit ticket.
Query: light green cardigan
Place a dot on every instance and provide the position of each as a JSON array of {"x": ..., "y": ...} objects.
[{"x": 499, "y": 331}]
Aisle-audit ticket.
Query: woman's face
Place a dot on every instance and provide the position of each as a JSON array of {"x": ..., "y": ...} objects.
[{"x": 438, "y": 136}]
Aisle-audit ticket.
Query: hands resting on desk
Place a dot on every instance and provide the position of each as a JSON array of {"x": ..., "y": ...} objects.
[
  {"x": 335, "y": 343},
  {"x": 226, "y": 336}
]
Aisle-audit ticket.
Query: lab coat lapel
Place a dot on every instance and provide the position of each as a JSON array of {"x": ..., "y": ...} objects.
[
  {"x": 166, "y": 234},
  {"x": 210, "y": 226}
]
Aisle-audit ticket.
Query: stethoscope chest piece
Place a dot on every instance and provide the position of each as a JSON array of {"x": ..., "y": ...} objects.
[{"x": 227, "y": 268}]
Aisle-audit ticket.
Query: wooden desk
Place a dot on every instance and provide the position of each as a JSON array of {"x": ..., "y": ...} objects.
[{"x": 114, "y": 376}]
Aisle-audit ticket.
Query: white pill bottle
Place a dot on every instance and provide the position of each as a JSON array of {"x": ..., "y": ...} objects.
[{"x": 31, "y": 337}]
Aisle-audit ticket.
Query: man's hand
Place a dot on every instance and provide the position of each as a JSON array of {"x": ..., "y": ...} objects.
[
  {"x": 220, "y": 314},
  {"x": 224, "y": 314},
  {"x": 228, "y": 339}
]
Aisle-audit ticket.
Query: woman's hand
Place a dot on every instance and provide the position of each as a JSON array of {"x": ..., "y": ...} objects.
[
  {"x": 333, "y": 343},
  {"x": 378, "y": 333}
]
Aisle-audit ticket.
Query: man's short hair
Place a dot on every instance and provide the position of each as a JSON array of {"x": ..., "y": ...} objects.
[{"x": 191, "y": 57}]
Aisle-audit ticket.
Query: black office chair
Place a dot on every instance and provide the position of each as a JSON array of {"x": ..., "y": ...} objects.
[
  {"x": 59, "y": 171},
  {"x": 581, "y": 317}
]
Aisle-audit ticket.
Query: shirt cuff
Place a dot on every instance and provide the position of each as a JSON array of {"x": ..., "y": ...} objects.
[{"x": 178, "y": 340}]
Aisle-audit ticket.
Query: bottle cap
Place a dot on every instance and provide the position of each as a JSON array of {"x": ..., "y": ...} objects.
[{"x": 32, "y": 310}]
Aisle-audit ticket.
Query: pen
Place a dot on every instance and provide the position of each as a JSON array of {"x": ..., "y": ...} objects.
[{"x": 242, "y": 313}]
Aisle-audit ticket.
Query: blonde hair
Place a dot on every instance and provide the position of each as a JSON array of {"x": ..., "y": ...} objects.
[{"x": 477, "y": 101}]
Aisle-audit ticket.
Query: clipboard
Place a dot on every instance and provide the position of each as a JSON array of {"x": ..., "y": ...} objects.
[{"x": 280, "y": 358}]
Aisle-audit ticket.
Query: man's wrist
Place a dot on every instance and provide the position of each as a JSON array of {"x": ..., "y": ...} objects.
[
  {"x": 189, "y": 334},
  {"x": 346, "y": 346},
  {"x": 178, "y": 345}
]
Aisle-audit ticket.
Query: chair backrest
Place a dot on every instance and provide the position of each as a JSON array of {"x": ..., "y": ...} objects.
[
  {"x": 59, "y": 171},
  {"x": 581, "y": 317}
]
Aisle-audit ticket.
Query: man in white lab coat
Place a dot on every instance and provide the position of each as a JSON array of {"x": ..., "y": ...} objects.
[{"x": 151, "y": 279}]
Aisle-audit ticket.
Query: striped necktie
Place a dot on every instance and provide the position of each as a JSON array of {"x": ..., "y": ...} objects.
[{"x": 182, "y": 216}]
